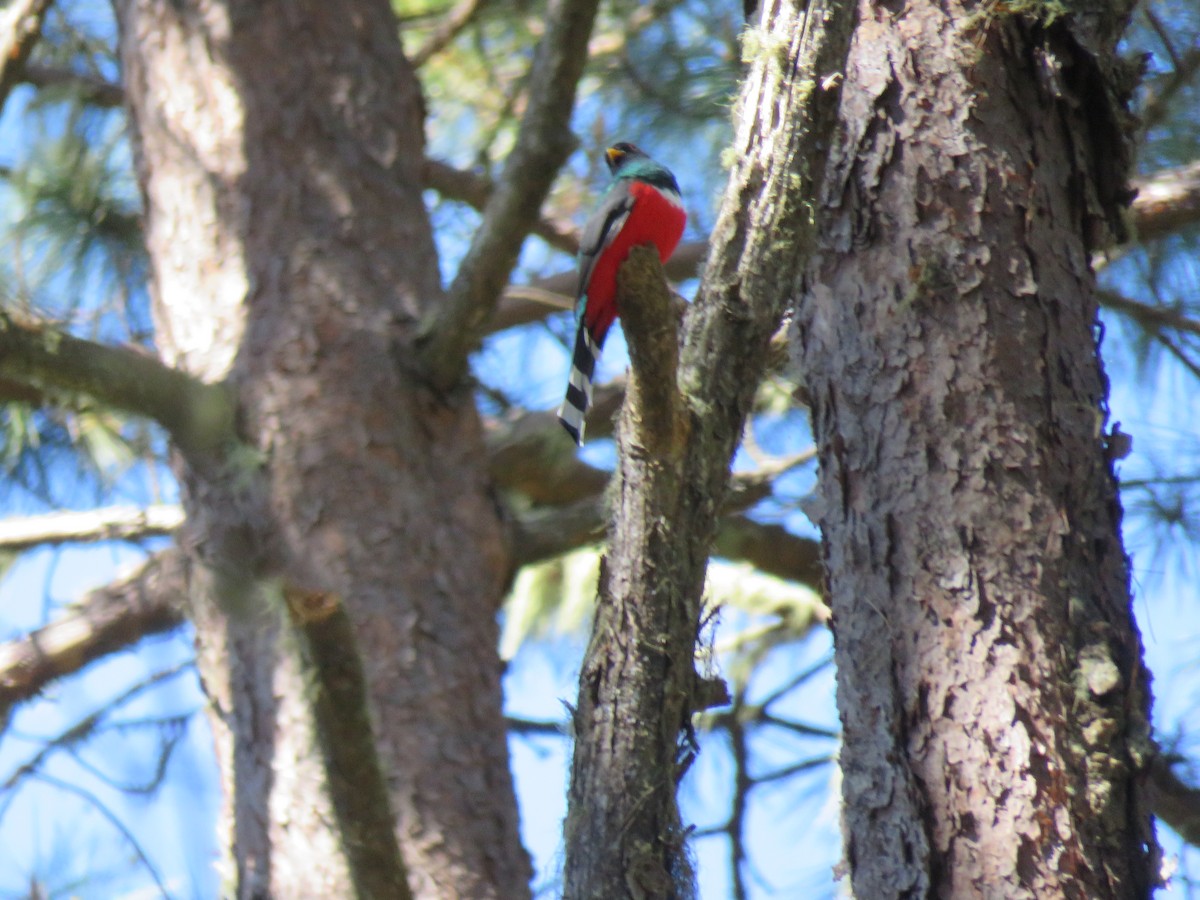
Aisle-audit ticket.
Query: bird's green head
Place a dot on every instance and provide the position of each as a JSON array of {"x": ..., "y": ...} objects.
[{"x": 622, "y": 154}]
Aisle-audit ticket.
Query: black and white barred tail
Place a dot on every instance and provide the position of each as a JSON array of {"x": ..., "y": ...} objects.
[{"x": 579, "y": 386}]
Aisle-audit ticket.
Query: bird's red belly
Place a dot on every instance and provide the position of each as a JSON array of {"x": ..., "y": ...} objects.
[{"x": 653, "y": 220}]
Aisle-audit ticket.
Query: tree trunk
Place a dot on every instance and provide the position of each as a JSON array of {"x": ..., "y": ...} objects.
[
  {"x": 990, "y": 677},
  {"x": 279, "y": 149},
  {"x": 682, "y": 421}
]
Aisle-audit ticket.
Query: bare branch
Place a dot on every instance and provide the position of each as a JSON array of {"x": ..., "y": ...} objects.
[
  {"x": 20, "y": 28},
  {"x": 527, "y": 727},
  {"x": 771, "y": 549},
  {"x": 1180, "y": 353},
  {"x": 1166, "y": 201},
  {"x": 546, "y": 532},
  {"x": 653, "y": 422},
  {"x": 1149, "y": 316},
  {"x": 198, "y": 416},
  {"x": 795, "y": 768},
  {"x": 124, "y": 523},
  {"x": 113, "y": 820},
  {"x": 530, "y": 454},
  {"x": 543, "y": 144},
  {"x": 91, "y": 88},
  {"x": 106, "y": 620},
  {"x": 459, "y": 17},
  {"x": 476, "y": 191},
  {"x": 1157, "y": 101},
  {"x": 87, "y": 726},
  {"x": 1174, "y": 801}
]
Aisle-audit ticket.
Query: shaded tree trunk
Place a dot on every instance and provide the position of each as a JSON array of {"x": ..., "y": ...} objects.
[
  {"x": 279, "y": 150},
  {"x": 990, "y": 676}
]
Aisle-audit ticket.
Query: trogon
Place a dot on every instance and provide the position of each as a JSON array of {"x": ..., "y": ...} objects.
[{"x": 641, "y": 206}]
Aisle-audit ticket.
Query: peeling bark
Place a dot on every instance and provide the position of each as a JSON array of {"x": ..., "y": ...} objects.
[{"x": 990, "y": 677}]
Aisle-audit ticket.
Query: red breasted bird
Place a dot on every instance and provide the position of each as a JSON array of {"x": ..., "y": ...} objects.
[{"x": 641, "y": 206}]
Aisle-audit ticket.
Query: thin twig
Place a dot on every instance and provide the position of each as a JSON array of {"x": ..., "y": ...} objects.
[
  {"x": 113, "y": 820},
  {"x": 1149, "y": 316},
  {"x": 85, "y": 727},
  {"x": 459, "y": 17},
  {"x": 476, "y": 191},
  {"x": 1184, "y": 67}
]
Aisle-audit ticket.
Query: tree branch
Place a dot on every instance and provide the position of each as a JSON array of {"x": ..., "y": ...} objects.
[
  {"x": 112, "y": 523},
  {"x": 1157, "y": 100},
  {"x": 106, "y": 620},
  {"x": 113, "y": 617},
  {"x": 459, "y": 17},
  {"x": 92, "y": 88},
  {"x": 1166, "y": 202},
  {"x": 87, "y": 726},
  {"x": 476, "y": 191},
  {"x": 546, "y": 532},
  {"x": 1173, "y": 800},
  {"x": 1150, "y": 317},
  {"x": 638, "y": 685},
  {"x": 653, "y": 422},
  {"x": 543, "y": 143},
  {"x": 771, "y": 549},
  {"x": 113, "y": 819},
  {"x": 198, "y": 416},
  {"x": 522, "y": 304},
  {"x": 20, "y": 28},
  {"x": 528, "y": 454}
]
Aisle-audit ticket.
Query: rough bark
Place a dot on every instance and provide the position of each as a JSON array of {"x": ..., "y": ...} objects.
[
  {"x": 624, "y": 835},
  {"x": 280, "y": 153},
  {"x": 990, "y": 679},
  {"x": 638, "y": 685}
]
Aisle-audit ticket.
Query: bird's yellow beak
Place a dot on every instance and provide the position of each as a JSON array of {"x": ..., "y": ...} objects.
[{"x": 614, "y": 155}]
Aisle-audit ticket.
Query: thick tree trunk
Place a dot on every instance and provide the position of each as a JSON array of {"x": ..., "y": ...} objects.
[
  {"x": 279, "y": 148},
  {"x": 990, "y": 677}
]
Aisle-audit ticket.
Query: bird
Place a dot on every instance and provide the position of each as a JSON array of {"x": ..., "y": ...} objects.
[{"x": 641, "y": 206}]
